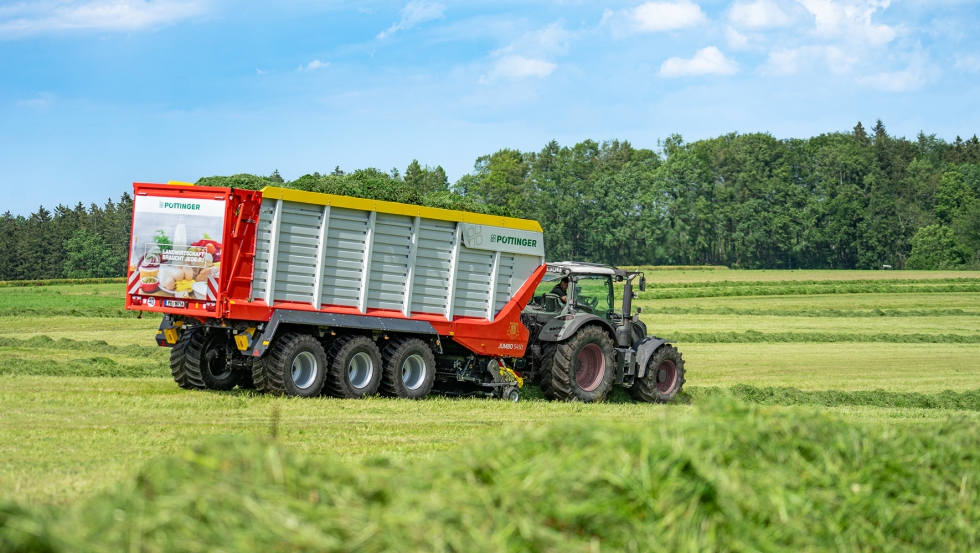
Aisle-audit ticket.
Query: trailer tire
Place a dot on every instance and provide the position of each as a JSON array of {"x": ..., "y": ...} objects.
[
  {"x": 178, "y": 363},
  {"x": 409, "y": 369},
  {"x": 654, "y": 389},
  {"x": 294, "y": 366},
  {"x": 583, "y": 369},
  {"x": 201, "y": 361},
  {"x": 354, "y": 367}
]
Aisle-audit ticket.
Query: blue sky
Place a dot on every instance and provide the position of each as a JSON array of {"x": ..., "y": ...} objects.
[{"x": 96, "y": 94}]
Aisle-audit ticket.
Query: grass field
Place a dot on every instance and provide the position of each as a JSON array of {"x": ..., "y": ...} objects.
[{"x": 85, "y": 401}]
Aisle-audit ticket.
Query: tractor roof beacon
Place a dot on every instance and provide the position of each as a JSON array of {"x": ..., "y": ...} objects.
[{"x": 581, "y": 346}]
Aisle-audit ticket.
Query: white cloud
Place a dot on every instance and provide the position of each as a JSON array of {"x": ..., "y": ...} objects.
[
  {"x": 913, "y": 77},
  {"x": 313, "y": 65},
  {"x": 518, "y": 67},
  {"x": 115, "y": 15},
  {"x": 758, "y": 14},
  {"x": 784, "y": 61},
  {"x": 735, "y": 38},
  {"x": 969, "y": 63},
  {"x": 42, "y": 102},
  {"x": 850, "y": 19},
  {"x": 788, "y": 61},
  {"x": 547, "y": 41},
  {"x": 895, "y": 81},
  {"x": 260, "y": 72},
  {"x": 528, "y": 55},
  {"x": 667, "y": 16},
  {"x": 415, "y": 12},
  {"x": 706, "y": 61}
]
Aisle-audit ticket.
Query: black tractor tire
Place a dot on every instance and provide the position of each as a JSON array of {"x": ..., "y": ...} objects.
[
  {"x": 178, "y": 363},
  {"x": 354, "y": 367},
  {"x": 409, "y": 369},
  {"x": 199, "y": 360},
  {"x": 544, "y": 371},
  {"x": 295, "y": 365},
  {"x": 584, "y": 367},
  {"x": 663, "y": 379},
  {"x": 258, "y": 373}
]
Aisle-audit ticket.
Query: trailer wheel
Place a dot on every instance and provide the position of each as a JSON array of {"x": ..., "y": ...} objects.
[
  {"x": 354, "y": 367},
  {"x": 409, "y": 369},
  {"x": 583, "y": 369},
  {"x": 178, "y": 363},
  {"x": 295, "y": 366},
  {"x": 663, "y": 379},
  {"x": 202, "y": 361}
]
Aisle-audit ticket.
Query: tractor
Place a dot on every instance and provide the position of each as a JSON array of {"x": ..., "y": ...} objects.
[{"x": 581, "y": 345}]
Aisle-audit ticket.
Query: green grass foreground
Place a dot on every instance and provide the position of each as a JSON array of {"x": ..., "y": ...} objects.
[{"x": 724, "y": 477}]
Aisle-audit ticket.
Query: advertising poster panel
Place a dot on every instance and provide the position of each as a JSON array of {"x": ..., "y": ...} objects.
[{"x": 176, "y": 248}]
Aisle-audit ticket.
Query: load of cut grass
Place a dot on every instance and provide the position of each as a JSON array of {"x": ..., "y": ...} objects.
[{"x": 724, "y": 477}]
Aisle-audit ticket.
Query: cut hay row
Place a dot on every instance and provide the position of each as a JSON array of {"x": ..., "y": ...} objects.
[
  {"x": 816, "y": 313},
  {"x": 724, "y": 477},
  {"x": 794, "y": 290},
  {"x": 753, "y": 337}
]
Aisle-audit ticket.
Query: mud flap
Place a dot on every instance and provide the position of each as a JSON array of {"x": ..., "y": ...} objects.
[{"x": 644, "y": 351}]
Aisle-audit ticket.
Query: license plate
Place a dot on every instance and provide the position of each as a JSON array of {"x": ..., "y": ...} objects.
[{"x": 174, "y": 303}]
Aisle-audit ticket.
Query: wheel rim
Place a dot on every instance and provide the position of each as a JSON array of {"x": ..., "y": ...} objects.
[
  {"x": 591, "y": 367},
  {"x": 413, "y": 372},
  {"x": 670, "y": 376},
  {"x": 304, "y": 370},
  {"x": 360, "y": 370},
  {"x": 217, "y": 365}
]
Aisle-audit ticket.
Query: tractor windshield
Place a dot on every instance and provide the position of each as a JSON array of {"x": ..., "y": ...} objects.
[{"x": 594, "y": 294}]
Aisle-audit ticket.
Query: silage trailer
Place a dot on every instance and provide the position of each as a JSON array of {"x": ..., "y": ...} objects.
[{"x": 301, "y": 293}]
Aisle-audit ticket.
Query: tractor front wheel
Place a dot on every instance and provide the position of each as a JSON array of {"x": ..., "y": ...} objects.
[
  {"x": 584, "y": 367},
  {"x": 663, "y": 379}
]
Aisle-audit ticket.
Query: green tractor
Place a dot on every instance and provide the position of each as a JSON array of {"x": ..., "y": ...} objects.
[{"x": 581, "y": 345}]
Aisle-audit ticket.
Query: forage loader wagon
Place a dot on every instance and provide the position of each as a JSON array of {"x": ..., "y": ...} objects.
[{"x": 301, "y": 293}]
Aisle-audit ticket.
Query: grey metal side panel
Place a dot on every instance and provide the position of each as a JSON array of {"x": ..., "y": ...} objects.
[
  {"x": 433, "y": 259},
  {"x": 644, "y": 351},
  {"x": 389, "y": 261},
  {"x": 505, "y": 279},
  {"x": 296, "y": 261},
  {"x": 260, "y": 277},
  {"x": 333, "y": 320},
  {"x": 343, "y": 262},
  {"x": 472, "y": 295}
]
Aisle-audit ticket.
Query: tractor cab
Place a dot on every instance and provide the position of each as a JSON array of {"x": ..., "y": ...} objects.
[{"x": 589, "y": 291}]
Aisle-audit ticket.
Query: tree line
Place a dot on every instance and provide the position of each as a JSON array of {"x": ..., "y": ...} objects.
[{"x": 845, "y": 200}]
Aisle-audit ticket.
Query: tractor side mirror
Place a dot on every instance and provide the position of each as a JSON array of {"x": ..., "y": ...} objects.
[{"x": 643, "y": 283}]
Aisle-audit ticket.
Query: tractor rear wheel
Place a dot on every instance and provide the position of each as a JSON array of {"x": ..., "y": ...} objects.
[
  {"x": 583, "y": 369},
  {"x": 294, "y": 366},
  {"x": 544, "y": 371},
  {"x": 354, "y": 367},
  {"x": 409, "y": 369},
  {"x": 199, "y": 360},
  {"x": 663, "y": 379}
]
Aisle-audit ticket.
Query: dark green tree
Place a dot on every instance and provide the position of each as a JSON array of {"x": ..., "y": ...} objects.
[{"x": 88, "y": 256}]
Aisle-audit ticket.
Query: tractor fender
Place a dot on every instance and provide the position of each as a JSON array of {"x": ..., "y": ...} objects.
[
  {"x": 557, "y": 329},
  {"x": 644, "y": 351}
]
